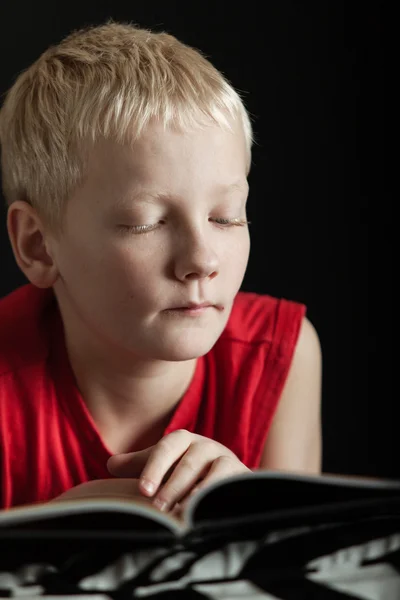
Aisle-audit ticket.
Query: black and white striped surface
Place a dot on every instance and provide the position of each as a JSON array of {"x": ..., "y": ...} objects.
[{"x": 333, "y": 561}]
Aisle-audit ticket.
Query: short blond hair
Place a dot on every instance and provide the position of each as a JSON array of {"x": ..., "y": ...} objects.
[{"x": 102, "y": 81}]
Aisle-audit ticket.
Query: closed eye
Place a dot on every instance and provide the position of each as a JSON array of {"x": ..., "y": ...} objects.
[
  {"x": 231, "y": 222},
  {"x": 139, "y": 229}
]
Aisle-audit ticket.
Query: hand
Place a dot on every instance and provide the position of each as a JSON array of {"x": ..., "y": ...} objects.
[{"x": 183, "y": 462}]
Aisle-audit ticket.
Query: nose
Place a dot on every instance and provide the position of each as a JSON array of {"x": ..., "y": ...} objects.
[{"x": 197, "y": 259}]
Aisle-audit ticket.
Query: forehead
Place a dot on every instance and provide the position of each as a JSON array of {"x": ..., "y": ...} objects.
[{"x": 171, "y": 158}]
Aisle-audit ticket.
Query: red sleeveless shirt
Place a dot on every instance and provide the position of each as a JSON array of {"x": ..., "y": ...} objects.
[{"x": 48, "y": 440}]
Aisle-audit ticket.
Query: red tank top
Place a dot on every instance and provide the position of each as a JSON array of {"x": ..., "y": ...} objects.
[{"x": 48, "y": 440}]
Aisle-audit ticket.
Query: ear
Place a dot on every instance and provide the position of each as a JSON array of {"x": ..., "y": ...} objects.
[{"x": 29, "y": 244}]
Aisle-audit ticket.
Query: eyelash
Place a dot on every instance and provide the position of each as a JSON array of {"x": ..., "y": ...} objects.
[{"x": 224, "y": 223}]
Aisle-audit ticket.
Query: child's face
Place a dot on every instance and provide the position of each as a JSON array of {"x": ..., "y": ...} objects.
[{"x": 119, "y": 284}]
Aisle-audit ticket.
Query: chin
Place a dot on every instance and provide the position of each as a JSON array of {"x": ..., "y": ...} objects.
[
  {"x": 188, "y": 349},
  {"x": 183, "y": 354}
]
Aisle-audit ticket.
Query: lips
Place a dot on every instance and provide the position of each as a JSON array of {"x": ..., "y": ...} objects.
[{"x": 196, "y": 306}]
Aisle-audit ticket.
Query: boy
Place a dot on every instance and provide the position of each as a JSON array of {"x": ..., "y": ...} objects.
[{"x": 132, "y": 354}]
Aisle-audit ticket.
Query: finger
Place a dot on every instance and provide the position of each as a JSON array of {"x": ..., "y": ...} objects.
[
  {"x": 221, "y": 468},
  {"x": 162, "y": 459},
  {"x": 185, "y": 501},
  {"x": 176, "y": 511},
  {"x": 224, "y": 466},
  {"x": 129, "y": 464},
  {"x": 193, "y": 466}
]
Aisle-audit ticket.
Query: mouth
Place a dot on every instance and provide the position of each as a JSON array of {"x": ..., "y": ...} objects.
[{"x": 194, "y": 308}]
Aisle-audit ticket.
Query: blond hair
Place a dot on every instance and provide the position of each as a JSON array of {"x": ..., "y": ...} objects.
[{"x": 103, "y": 81}]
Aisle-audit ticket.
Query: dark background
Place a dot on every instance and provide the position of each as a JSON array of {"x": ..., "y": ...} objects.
[{"x": 311, "y": 74}]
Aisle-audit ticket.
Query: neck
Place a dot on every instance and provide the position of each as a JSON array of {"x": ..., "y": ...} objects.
[{"x": 130, "y": 399}]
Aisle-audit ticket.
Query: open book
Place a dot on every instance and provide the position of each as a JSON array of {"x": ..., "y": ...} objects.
[
  {"x": 263, "y": 534},
  {"x": 243, "y": 503}
]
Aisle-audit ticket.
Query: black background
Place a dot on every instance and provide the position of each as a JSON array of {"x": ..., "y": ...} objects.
[{"x": 311, "y": 74}]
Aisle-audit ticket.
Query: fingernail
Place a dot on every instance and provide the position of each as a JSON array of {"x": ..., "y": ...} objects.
[
  {"x": 160, "y": 504},
  {"x": 148, "y": 486}
]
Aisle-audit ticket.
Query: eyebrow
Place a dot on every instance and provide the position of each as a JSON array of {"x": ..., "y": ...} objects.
[
  {"x": 241, "y": 186},
  {"x": 148, "y": 195},
  {"x": 152, "y": 197}
]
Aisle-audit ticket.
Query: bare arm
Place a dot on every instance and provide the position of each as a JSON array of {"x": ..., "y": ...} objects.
[{"x": 294, "y": 440}]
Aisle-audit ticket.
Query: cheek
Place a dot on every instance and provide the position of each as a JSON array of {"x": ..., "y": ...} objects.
[
  {"x": 127, "y": 264},
  {"x": 96, "y": 270},
  {"x": 238, "y": 256},
  {"x": 132, "y": 276},
  {"x": 108, "y": 262}
]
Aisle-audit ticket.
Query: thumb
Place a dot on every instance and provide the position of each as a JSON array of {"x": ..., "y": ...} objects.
[{"x": 129, "y": 464}]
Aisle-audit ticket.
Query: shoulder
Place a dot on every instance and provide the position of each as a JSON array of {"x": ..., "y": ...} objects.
[
  {"x": 305, "y": 367},
  {"x": 308, "y": 348},
  {"x": 294, "y": 439},
  {"x": 259, "y": 318},
  {"x": 305, "y": 373},
  {"x": 23, "y": 332}
]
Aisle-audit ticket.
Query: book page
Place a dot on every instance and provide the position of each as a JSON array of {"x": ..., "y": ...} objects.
[
  {"x": 263, "y": 492},
  {"x": 89, "y": 514}
]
